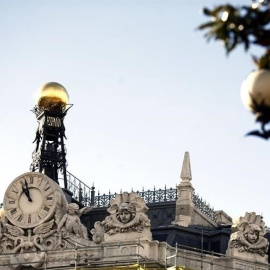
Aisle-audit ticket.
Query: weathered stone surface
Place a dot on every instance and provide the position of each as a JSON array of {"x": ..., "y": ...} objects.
[
  {"x": 247, "y": 240},
  {"x": 61, "y": 228},
  {"x": 127, "y": 220}
]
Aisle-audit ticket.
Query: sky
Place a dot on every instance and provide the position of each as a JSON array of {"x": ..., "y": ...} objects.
[{"x": 146, "y": 87}]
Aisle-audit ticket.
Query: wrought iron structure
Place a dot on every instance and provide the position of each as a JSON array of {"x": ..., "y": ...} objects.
[
  {"x": 86, "y": 196},
  {"x": 80, "y": 191},
  {"x": 49, "y": 156},
  {"x": 203, "y": 206},
  {"x": 158, "y": 195}
]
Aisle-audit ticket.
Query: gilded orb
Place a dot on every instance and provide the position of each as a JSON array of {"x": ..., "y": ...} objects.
[{"x": 52, "y": 96}]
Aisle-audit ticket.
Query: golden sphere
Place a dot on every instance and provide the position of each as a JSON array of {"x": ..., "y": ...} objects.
[{"x": 52, "y": 96}]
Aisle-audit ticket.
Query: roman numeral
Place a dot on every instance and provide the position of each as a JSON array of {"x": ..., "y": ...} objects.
[
  {"x": 31, "y": 180},
  {"x": 11, "y": 202},
  {"x": 20, "y": 218},
  {"x": 47, "y": 188},
  {"x": 46, "y": 208},
  {"x": 13, "y": 211},
  {"x": 40, "y": 182},
  {"x": 49, "y": 198},
  {"x": 29, "y": 219}
]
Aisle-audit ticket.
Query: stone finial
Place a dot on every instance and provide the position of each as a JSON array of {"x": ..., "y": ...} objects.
[{"x": 186, "y": 170}]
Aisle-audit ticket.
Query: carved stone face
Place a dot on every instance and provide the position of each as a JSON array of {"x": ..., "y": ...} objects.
[
  {"x": 73, "y": 209},
  {"x": 252, "y": 236},
  {"x": 124, "y": 216},
  {"x": 125, "y": 213}
]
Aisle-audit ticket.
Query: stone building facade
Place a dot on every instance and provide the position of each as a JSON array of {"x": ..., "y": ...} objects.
[{"x": 59, "y": 231}]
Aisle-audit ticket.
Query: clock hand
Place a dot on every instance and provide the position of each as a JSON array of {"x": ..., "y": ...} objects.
[{"x": 26, "y": 191}]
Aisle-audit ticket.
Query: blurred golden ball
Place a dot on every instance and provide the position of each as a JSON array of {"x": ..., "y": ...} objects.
[{"x": 52, "y": 96}]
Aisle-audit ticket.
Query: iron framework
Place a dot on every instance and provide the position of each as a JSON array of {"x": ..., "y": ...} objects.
[
  {"x": 204, "y": 207},
  {"x": 86, "y": 196}
]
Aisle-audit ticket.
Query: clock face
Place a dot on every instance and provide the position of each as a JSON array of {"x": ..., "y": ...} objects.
[{"x": 30, "y": 199}]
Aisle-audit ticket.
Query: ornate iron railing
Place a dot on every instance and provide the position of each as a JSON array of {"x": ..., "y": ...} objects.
[
  {"x": 103, "y": 200},
  {"x": 203, "y": 207},
  {"x": 158, "y": 195},
  {"x": 150, "y": 196},
  {"x": 81, "y": 192},
  {"x": 86, "y": 196}
]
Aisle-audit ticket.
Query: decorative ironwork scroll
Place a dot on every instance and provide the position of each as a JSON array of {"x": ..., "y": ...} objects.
[{"x": 158, "y": 195}]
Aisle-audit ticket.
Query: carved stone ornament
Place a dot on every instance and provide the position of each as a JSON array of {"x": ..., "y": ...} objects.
[
  {"x": 36, "y": 219},
  {"x": 248, "y": 236},
  {"x": 127, "y": 216}
]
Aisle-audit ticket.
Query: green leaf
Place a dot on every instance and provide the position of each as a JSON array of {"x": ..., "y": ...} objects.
[{"x": 206, "y": 25}]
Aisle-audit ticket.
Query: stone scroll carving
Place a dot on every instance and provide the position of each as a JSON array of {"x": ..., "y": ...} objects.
[
  {"x": 27, "y": 247},
  {"x": 127, "y": 216},
  {"x": 248, "y": 236}
]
